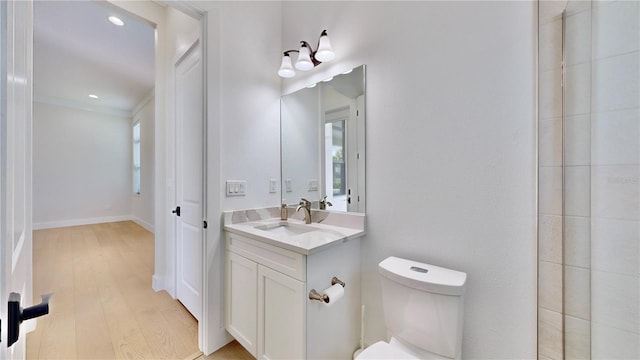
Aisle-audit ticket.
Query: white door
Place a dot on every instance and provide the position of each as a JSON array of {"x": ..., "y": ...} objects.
[
  {"x": 16, "y": 22},
  {"x": 189, "y": 179}
]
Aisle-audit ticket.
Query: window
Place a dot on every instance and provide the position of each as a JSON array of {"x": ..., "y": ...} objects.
[{"x": 136, "y": 158}]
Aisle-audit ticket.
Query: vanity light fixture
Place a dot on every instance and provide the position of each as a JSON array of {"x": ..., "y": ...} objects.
[{"x": 307, "y": 58}]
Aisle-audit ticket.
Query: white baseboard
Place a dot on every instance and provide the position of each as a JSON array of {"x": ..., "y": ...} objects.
[
  {"x": 143, "y": 223},
  {"x": 89, "y": 221},
  {"x": 217, "y": 340},
  {"x": 157, "y": 283},
  {"x": 77, "y": 222}
]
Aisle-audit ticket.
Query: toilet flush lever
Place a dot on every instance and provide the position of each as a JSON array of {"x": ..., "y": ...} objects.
[
  {"x": 419, "y": 269},
  {"x": 17, "y": 314}
]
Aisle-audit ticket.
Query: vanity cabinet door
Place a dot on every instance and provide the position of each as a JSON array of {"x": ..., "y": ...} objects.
[
  {"x": 281, "y": 317},
  {"x": 241, "y": 284}
]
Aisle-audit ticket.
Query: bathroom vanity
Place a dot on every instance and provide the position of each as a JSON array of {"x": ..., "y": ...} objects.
[{"x": 271, "y": 266}]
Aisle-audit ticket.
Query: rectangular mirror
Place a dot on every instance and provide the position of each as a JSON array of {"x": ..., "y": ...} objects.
[{"x": 322, "y": 139}]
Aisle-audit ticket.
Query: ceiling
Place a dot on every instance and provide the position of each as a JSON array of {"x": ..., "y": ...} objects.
[{"x": 78, "y": 52}]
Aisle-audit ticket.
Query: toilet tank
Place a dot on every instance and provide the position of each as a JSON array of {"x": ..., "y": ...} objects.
[{"x": 423, "y": 305}]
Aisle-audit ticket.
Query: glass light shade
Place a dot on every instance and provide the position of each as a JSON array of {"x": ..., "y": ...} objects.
[
  {"x": 286, "y": 69},
  {"x": 116, "y": 20},
  {"x": 325, "y": 52},
  {"x": 304, "y": 59}
]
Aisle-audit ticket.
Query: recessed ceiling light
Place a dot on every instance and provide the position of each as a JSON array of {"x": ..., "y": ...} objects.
[
  {"x": 116, "y": 20},
  {"x": 93, "y": 96}
]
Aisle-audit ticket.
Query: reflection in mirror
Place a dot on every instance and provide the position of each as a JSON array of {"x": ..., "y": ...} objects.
[{"x": 323, "y": 143}]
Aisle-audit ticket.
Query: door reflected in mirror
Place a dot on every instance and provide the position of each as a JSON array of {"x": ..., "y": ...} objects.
[{"x": 323, "y": 143}]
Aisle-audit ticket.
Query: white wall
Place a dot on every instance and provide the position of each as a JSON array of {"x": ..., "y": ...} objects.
[
  {"x": 451, "y": 117},
  {"x": 142, "y": 204},
  {"x": 250, "y": 100},
  {"x": 81, "y": 166},
  {"x": 300, "y": 117}
]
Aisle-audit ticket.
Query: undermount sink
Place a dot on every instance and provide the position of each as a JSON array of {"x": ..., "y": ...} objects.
[{"x": 284, "y": 228}]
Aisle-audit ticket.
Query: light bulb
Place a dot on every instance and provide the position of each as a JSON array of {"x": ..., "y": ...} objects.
[
  {"x": 304, "y": 59},
  {"x": 325, "y": 53},
  {"x": 286, "y": 70},
  {"x": 116, "y": 20}
]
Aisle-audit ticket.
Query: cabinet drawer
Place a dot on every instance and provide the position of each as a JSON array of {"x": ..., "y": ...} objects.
[{"x": 285, "y": 261}]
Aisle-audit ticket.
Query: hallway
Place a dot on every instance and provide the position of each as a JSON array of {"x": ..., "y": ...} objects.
[{"x": 103, "y": 305}]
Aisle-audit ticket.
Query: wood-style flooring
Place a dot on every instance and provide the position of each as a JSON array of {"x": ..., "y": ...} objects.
[{"x": 103, "y": 306}]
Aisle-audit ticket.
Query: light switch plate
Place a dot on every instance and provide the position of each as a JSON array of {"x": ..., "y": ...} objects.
[
  {"x": 287, "y": 185},
  {"x": 236, "y": 188},
  {"x": 273, "y": 186}
]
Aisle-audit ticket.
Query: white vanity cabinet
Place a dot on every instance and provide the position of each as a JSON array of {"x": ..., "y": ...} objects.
[{"x": 267, "y": 309}]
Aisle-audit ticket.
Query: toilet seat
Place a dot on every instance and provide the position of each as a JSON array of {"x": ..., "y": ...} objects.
[{"x": 383, "y": 350}]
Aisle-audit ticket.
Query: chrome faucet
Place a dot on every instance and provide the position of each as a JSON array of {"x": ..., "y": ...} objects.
[
  {"x": 306, "y": 205},
  {"x": 324, "y": 203}
]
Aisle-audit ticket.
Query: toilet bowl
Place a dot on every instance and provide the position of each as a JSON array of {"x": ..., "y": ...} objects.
[
  {"x": 423, "y": 310},
  {"x": 394, "y": 350}
]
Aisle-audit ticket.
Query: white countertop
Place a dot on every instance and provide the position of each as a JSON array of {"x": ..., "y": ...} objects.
[{"x": 334, "y": 229}]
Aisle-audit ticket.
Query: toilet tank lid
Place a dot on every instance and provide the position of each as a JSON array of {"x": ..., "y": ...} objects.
[{"x": 422, "y": 276}]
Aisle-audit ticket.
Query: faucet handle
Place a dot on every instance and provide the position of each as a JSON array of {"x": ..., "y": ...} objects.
[
  {"x": 305, "y": 202},
  {"x": 324, "y": 203}
]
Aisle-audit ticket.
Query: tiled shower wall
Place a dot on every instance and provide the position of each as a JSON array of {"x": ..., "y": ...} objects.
[
  {"x": 589, "y": 233},
  {"x": 615, "y": 174},
  {"x": 550, "y": 208}
]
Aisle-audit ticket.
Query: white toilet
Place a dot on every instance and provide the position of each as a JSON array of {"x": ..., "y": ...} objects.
[{"x": 423, "y": 308}]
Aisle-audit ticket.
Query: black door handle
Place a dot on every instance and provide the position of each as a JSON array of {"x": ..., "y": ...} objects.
[
  {"x": 176, "y": 211},
  {"x": 17, "y": 314}
]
